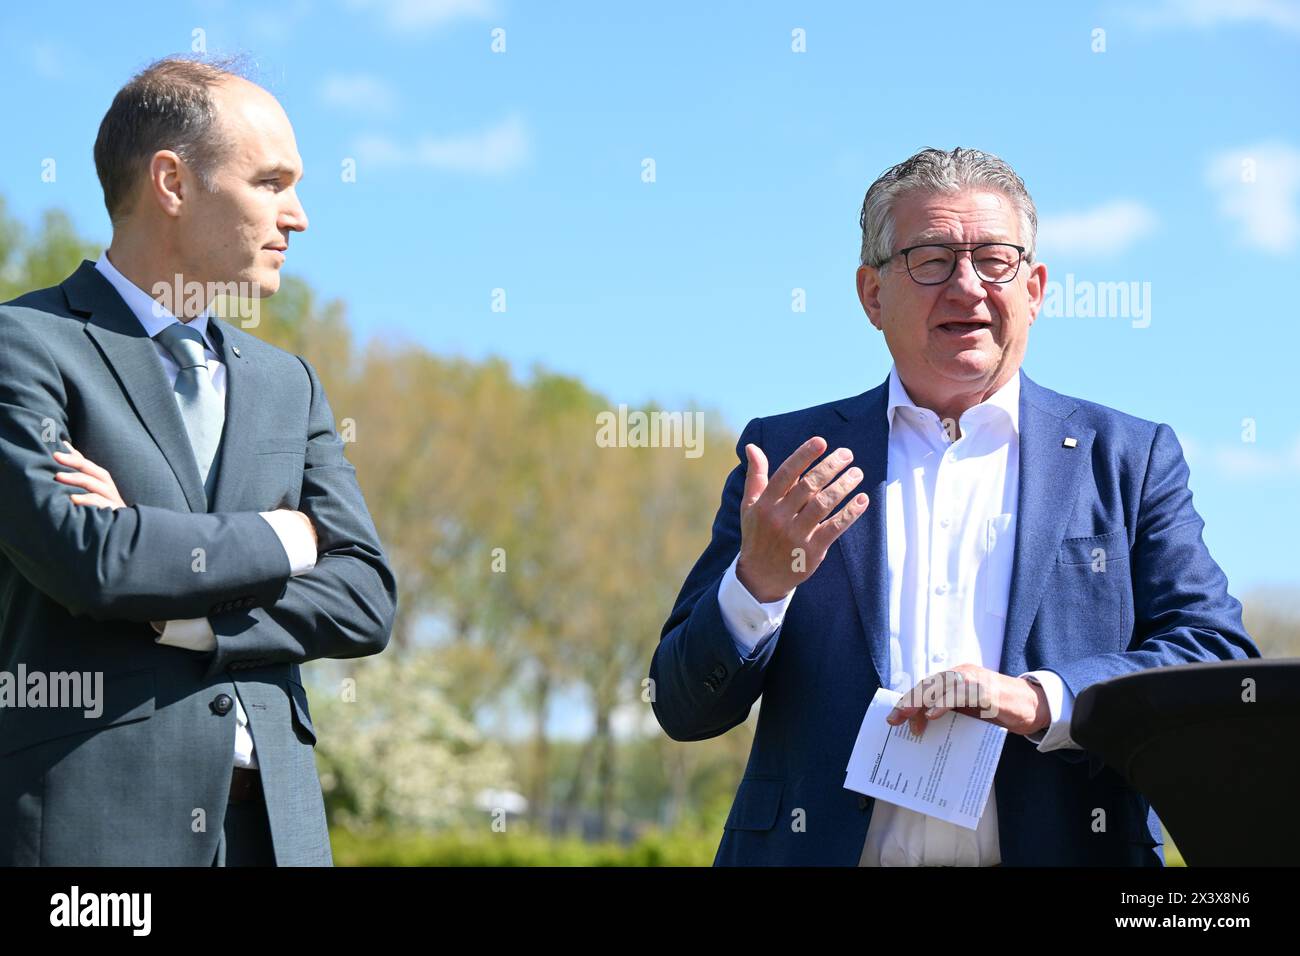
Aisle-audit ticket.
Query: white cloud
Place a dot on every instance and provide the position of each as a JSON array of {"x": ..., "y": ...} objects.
[
  {"x": 493, "y": 151},
  {"x": 1109, "y": 229},
  {"x": 359, "y": 92},
  {"x": 1243, "y": 460},
  {"x": 425, "y": 14},
  {"x": 1258, "y": 187},
  {"x": 1206, "y": 14}
]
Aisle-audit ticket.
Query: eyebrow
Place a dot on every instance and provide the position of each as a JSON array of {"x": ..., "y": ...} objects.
[
  {"x": 938, "y": 237},
  {"x": 279, "y": 169}
]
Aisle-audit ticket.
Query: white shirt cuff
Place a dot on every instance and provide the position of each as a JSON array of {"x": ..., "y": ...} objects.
[
  {"x": 192, "y": 634},
  {"x": 196, "y": 634},
  {"x": 297, "y": 541},
  {"x": 747, "y": 620},
  {"x": 1060, "y": 706}
]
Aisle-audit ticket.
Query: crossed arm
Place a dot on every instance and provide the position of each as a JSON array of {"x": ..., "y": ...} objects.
[
  {"x": 134, "y": 563},
  {"x": 293, "y": 528}
]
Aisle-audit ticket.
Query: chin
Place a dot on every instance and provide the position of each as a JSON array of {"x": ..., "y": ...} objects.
[
  {"x": 969, "y": 363},
  {"x": 267, "y": 283}
]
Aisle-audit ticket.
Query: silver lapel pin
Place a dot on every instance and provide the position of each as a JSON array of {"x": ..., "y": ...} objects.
[
  {"x": 1068, "y": 443},
  {"x": 235, "y": 349}
]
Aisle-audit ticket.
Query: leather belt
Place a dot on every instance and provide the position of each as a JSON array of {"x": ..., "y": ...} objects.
[{"x": 245, "y": 785}]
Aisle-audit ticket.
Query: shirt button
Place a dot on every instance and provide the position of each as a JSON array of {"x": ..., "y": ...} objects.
[
  {"x": 941, "y": 589},
  {"x": 945, "y": 522},
  {"x": 939, "y": 657}
]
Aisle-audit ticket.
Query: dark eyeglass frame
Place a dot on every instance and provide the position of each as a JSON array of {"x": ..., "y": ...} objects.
[{"x": 956, "y": 248}]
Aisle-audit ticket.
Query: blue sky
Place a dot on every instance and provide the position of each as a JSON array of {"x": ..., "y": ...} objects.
[{"x": 523, "y": 170}]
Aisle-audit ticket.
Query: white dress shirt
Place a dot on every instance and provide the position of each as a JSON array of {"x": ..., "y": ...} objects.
[
  {"x": 196, "y": 634},
  {"x": 950, "y": 519}
]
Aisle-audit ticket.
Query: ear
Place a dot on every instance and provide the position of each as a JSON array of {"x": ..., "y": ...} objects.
[
  {"x": 869, "y": 293},
  {"x": 1036, "y": 286},
  {"x": 165, "y": 181}
]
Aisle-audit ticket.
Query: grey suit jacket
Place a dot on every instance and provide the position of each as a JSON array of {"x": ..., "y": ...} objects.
[{"x": 146, "y": 781}]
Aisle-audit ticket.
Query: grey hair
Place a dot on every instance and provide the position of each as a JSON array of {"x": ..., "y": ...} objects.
[{"x": 936, "y": 171}]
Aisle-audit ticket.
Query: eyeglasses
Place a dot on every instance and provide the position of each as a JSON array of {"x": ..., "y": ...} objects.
[{"x": 934, "y": 263}]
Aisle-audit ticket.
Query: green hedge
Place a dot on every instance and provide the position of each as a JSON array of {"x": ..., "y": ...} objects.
[{"x": 386, "y": 848}]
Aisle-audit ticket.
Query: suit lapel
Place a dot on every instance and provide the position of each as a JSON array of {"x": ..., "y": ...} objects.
[
  {"x": 862, "y": 546},
  {"x": 1050, "y": 474},
  {"x": 134, "y": 359}
]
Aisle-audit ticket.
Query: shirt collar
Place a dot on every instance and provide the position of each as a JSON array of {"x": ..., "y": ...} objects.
[
  {"x": 1005, "y": 400},
  {"x": 151, "y": 313}
]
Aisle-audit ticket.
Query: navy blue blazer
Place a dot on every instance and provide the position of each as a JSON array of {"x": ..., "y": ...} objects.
[{"x": 1163, "y": 601}]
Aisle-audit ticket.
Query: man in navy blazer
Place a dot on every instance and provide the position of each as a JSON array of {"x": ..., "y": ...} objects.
[{"x": 1013, "y": 542}]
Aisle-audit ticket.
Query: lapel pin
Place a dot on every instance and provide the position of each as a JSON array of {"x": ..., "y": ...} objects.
[
  {"x": 235, "y": 349},
  {"x": 1070, "y": 442}
]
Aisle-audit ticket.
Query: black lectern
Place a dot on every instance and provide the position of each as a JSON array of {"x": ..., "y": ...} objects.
[{"x": 1214, "y": 747}]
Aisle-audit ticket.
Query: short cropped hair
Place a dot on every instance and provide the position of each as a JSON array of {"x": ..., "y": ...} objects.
[{"x": 167, "y": 105}]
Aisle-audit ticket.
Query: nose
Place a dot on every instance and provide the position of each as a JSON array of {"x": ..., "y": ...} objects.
[
  {"x": 294, "y": 217},
  {"x": 967, "y": 285}
]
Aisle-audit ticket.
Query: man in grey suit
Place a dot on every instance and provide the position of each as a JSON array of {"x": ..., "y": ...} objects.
[{"x": 180, "y": 526}]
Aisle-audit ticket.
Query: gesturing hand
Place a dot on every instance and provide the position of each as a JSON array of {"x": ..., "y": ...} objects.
[
  {"x": 100, "y": 490},
  {"x": 783, "y": 536}
]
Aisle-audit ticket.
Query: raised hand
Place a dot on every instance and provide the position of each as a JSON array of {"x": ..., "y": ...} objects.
[{"x": 783, "y": 532}]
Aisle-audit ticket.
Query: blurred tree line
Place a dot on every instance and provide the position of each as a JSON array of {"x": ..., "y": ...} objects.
[{"x": 532, "y": 564}]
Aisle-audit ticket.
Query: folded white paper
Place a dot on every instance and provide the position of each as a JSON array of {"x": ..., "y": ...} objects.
[{"x": 945, "y": 773}]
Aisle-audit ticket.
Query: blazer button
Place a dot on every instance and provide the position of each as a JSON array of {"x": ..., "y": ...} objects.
[
  {"x": 221, "y": 705},
  {"x": 862, "y": 802}
]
